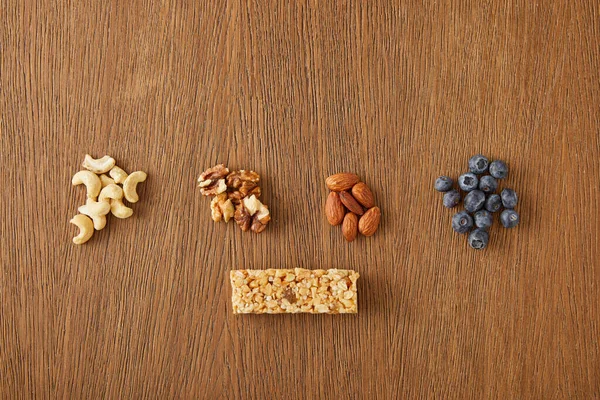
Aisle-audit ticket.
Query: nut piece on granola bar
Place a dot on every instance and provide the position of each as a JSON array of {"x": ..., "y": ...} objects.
[
  {"x": 212, "y": 181},
  {"x": 290, "y": 291},
  {"x": 221, "y": 208},
  {"x": 241, "y": 184}
]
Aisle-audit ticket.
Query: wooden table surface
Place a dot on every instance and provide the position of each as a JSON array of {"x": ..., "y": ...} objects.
[{"x": 397, "y": 94}]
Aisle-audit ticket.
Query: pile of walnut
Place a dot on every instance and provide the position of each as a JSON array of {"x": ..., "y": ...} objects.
[
  {"x": 236, "y": 195},
  {"x": 104, "y": 194},
  {"x": 351, "y": 204}
]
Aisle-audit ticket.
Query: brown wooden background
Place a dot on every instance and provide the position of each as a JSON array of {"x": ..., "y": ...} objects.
[{"x": 398, "y": 94}]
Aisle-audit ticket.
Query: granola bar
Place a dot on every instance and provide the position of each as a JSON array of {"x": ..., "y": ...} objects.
[{"x": 298, "y": 290}]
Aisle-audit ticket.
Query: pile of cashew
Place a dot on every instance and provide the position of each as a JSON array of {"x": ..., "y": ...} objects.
[{"x": 104, "y": 195}]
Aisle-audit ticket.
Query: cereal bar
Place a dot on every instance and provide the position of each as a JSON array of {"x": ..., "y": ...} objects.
[{"x": 288, "y": 291}]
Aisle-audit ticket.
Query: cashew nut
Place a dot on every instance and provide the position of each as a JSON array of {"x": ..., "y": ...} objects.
[
  {"x": 91, "y": 182},
  {"x": 120, "y": 210},
  {"x": 105, "y": 181},
  {"x": 115, "y": 194},
  {"x": 111, "y": 191},
  {"x": 100, "y": 165},
  {"x": 86, "y": 228},
  {"x": 118, "y": 174},
  {"x": 130, "y": 185},
  {"x": 97, "y": 211}
]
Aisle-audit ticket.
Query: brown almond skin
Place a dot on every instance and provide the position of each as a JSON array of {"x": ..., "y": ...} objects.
[
  {"x": 363, "y": 194},
  {"x": 351, "y": 203},
  {"x": 334, "y": 209},
  {"x": 342, "y": 181},
  {"x": 350, "y": 227},
  {"x": 368, "y": 223}
]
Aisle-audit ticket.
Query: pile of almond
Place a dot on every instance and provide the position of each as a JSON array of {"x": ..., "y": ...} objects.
[
  {"x": 236, "y": 196},
  {"x": 351, "y": 204}
]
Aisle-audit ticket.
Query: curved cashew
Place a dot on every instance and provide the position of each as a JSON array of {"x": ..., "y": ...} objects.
[
  {"x": 97, "y": 211},
  {"x": 100, "y": 165},
  {"x": 118, "y": 174},
  {"x": 130, "y": 185},
  {"x": 120, "y": 210},
  {"x": 111, "y": 191},
  {"x": 105, "y": 181},
  {"x": 91, "y": 182},
  {"x": 86, "y": 228}
]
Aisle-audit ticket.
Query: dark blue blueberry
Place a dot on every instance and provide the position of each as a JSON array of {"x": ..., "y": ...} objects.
[
  {"x": 509, "y": 198},
  {"x": 443, "y": 184},
  {"x": 498, "y": 169},
  {"x": 462, "y": 222},
  {"x": 493, "y": 203},
  {"x": 478, "y": 239},
  {"x": 451, "y": 198},
  {"x": 483, "y": 219},
  {"x": 488, "y": 184},
  {"x": 474, "y": 201},
  {"x": 468, "y": 182},
  {"x": 478, "y": 164},
  {"x": 509, "y": 218}
]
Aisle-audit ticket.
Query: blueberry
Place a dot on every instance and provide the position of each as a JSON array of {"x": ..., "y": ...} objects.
[
  {"x": 493, "y": 203},
  {"x": 509, "y": 218},
  {"x": 483, "y": 219},
  {"x": 509, "y": 198},
  {"x": 478, "y": 239},
  {"x": 443, "y": 184},
  {"x": 488, "y": 184},
  {"x": 498, "y": 169},
  {"x": 474, "y": 201},
  {"x": 468, "y": 182},
  {"x": 462, "y": 222},
  {"x": 478, "y": 164},
  {"x": 451, "y": 198}
]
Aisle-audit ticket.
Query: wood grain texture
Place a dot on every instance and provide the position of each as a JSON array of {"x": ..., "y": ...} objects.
[{"x": 398, "y": 94}]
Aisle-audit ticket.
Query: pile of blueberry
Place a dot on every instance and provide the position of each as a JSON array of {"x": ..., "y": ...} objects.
[{"x": 480, "y": 200}]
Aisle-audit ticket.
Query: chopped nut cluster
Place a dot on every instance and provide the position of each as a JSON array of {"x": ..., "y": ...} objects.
[
  {"x": 288, "y": 291},
  {"x": 236, "y": 195}
]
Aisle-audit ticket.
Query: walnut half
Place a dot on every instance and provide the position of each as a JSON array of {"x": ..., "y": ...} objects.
[
  {"x": 259, "y": 212},
  {"x": 252, "y": 214},
  {"x": 212, "y": 181},
  {"x": 243, "y": 183}
]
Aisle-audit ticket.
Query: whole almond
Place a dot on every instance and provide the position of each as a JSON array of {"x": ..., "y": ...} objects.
[
  {"x": 334, "y": 209},
  {"x": 351, "y": 203},
  {"x": 350, "y": 226},
  {"x": 342, "y": 181},
  {"x": 363, "y": 194},
  {"x": 368, "y": 223}
]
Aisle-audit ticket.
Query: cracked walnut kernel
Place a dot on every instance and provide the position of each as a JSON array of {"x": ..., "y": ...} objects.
[
  {"x": 242, "y": 217},
  {"x": 243, "y": 183},
  {"x": 221, "y": 208},
  {"x": 259, "y": 224},
  {"x": 252, "y": 214},
  {"x": 212, "y": 181}
]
